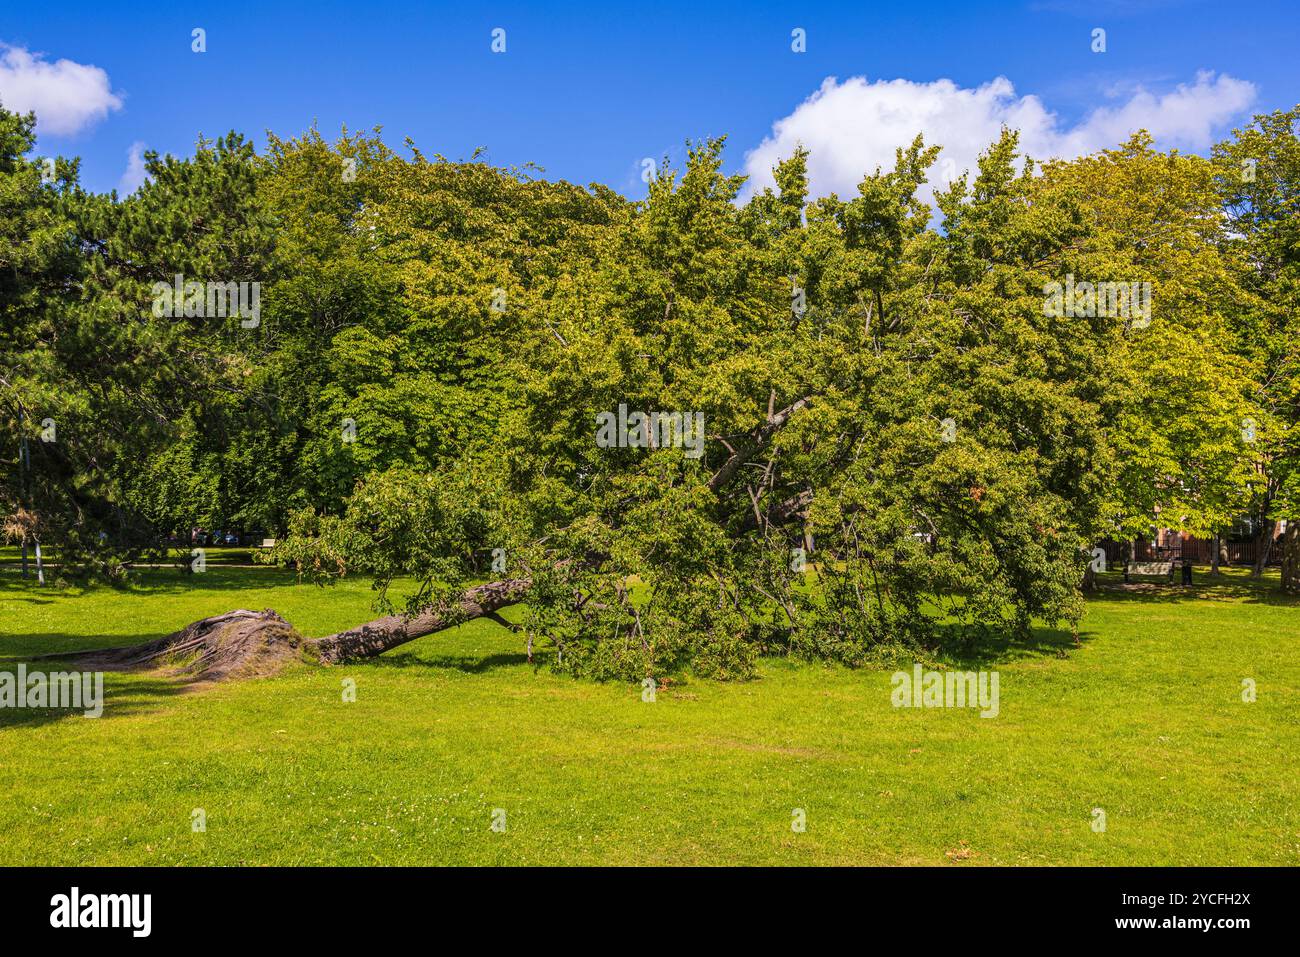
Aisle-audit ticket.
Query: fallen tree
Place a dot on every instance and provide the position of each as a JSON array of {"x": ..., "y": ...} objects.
[
  {"x": 902, "y": 437},
  {"x": 375, "y": 637},
  {"x": 244, "y": 643}
]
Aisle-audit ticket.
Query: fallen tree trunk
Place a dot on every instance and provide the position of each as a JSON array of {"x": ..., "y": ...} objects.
[
  {"x": 375, "y": 637},
  {"x": 244, "y": 644}
]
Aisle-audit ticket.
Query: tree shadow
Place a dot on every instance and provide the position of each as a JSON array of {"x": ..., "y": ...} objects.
[
  {"x": 154, "y": 581},
  {"x": 1229, "y": 587},
  {"x": 468, "y": 664},
  {"x": 22, "y": 648},
  {"x": 123, "y": 697},
  {"x": 971, "y": 650}
]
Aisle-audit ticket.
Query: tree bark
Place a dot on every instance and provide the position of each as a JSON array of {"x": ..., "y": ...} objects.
[
  {"x": 375, "y": 637},
  {"x": 758, "y": 439},
  {"x": 1291, "y": 557},
  {"x": 1264, "y": 548}
]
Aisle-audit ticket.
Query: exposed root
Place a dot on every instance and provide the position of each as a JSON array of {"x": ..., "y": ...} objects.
[{"x": 238, "y": 644}]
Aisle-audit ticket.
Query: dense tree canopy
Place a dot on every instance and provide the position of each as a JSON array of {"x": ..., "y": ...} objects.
[{"x": 871, "y": 418}]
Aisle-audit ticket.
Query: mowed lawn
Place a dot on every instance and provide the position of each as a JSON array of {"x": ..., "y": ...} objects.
[{"x": 1145, "y": 721}]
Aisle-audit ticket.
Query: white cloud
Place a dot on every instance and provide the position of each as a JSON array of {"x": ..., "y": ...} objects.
[
  {"x": 135, "y": 174},
  {"x": 850, "y": 128},
  {"x": 66, "y": 96}
]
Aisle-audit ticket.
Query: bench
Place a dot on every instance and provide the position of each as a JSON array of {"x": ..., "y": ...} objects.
[
  {"x": 1163, "y": 570},
  {"x": 268, "y": 543}
]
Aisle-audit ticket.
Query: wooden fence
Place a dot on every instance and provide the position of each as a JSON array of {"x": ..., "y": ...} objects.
[{"x": 1199, "y": 550}]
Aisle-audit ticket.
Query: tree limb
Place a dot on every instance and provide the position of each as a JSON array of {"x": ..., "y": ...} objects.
[{"x": 758, "y": 439}]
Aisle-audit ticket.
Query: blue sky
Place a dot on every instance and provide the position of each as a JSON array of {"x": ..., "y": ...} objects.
[{"x": 587, "y": 90}]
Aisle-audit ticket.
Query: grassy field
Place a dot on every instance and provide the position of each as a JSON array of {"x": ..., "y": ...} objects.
[
  {"x": 1145, "y": 720},
  {"x": 11, "y": 556}
]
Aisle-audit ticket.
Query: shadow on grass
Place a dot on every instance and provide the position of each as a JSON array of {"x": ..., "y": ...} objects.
[
  {"x": 1230, "y": 586},
  {"x": 23, "y": 647},
  {"x": 469, "y": 664},
  {"x": 124, "y": 695},
  {"x": 153, "y": 581},
  {"x": 962, "y": 648}
]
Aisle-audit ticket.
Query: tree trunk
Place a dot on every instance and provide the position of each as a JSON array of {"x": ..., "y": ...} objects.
[
  {"x": 1214, "y": 554},
  {"x": 375, "y": 637},
  {"x": 1291, "y": 557},
  {"x": 1264, "y": 548}
]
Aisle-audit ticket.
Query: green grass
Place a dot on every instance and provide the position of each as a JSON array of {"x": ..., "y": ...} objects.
[
  {"x": 1144, "y": 720},
  {"x": 11, "y": 555}
]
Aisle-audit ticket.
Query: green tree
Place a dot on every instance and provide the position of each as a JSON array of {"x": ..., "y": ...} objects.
[
  {"x": 1175, "y": 398},
  {"x": 1259, "y": 180}
]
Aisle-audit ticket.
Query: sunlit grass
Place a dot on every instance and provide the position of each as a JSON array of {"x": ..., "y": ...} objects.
[{"x": 1144, "y": 720}]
